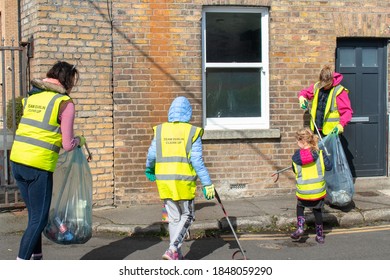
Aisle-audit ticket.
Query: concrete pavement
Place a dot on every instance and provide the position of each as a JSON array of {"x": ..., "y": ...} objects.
[{"x": 371, "y": 204}]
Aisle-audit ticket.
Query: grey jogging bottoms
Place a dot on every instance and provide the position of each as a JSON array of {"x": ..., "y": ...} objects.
[{"x": 181, "y": 215}]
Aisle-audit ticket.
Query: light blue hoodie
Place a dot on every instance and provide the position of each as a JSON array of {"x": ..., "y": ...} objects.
[{"x": 181, "y": 111}]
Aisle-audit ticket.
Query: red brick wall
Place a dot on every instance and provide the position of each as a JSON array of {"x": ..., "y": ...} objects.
[
  {"x": 157, "y": 56},
  {"x": 165, "y": 61}
]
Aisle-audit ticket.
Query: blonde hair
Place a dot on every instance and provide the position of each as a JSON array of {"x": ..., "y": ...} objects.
[
  {"x": 307, "y": 136},
  {"x": 326, "y": 76}
]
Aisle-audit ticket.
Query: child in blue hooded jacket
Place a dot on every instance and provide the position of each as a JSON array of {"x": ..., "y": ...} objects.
[{"x": 175, "y": 161}]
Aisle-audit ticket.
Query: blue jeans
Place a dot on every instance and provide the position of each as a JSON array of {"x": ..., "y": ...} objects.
[{"x": 36, "y": 187}]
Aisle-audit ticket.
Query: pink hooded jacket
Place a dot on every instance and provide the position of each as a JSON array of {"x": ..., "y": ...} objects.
[{"x": 343, "y": 102}]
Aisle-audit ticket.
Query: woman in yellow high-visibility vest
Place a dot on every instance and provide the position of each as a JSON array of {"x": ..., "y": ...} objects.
[
  {"x": 45, "y": 127},
  {"x": 175, "y": 161},
  {"x": 331, "y": 107},
  {"x": 309, "y": 166}
]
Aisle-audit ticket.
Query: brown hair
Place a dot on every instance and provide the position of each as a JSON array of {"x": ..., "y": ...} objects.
[
  {"x": 65, "y": 73},
  {"x": 306, "y": 135}
]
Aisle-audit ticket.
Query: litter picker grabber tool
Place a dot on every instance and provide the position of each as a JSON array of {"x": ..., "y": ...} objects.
[
  {"x": 89, "y": 158},
  {"x": 231, "y": 227},
  {"x": 276, "y": 174},
  {"x": 318, "y": 132}
]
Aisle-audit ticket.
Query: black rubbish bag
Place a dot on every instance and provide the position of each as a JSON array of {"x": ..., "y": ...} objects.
[
  {"x": 339, "y": 180},
  {"x": 70, "y": 216}
]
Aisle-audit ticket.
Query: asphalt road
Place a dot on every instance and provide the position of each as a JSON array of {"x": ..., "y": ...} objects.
[{"x": 366, "y": 243}]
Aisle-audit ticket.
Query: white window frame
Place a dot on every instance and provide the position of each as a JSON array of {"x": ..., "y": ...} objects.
[{"x": 238, "y": 123}]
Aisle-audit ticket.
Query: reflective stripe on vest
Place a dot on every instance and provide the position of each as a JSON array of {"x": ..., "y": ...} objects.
[
  {"x": 37, "y": 142},
  {"x": 331, "y": 114},
  {"x": 38, "y": 137},
  {"x": 44, "y": 124},
  {"x": 310, "y": 180},
  {"x": 175, "y": 176}
]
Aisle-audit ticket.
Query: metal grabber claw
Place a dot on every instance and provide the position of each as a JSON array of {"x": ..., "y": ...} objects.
[
  {"x": 89, "y": 158},
  {"x": 276, "y": 174}
]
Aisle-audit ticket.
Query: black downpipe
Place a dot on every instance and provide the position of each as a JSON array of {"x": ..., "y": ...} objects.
[{"x": 19, "y": 42}]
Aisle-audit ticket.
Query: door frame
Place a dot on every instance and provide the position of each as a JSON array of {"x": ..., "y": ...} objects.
[{"x": 383, "y": 115}]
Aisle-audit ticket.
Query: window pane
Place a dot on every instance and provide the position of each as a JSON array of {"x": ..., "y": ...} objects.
[
  {"x": 233, "y": 37},
  {"x": 233, "y": 93},
  {"x": 370, "y": 57},
  {"x": 347, "y": 57}
]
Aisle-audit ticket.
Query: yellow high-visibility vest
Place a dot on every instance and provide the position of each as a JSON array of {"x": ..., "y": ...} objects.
[
  {"x": 311, "y": 183},
  {"x": 331, "y": 114},
  {"x": 175, "y": 176},
  {"x": 38, "y": 138}
]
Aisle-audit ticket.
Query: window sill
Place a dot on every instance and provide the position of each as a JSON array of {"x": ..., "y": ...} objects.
[{"x": 241, "y": 134}]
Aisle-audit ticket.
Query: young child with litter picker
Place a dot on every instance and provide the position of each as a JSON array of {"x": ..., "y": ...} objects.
[
  {"x": 175, "y": 161},
  {"x": 309, "y": 165}
]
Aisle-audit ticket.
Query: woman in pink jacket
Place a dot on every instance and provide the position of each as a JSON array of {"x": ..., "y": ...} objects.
[{"x": 331, "y": 108}]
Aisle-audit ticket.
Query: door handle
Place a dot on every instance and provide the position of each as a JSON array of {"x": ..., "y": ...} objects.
[{"x": 360, "y": 119}]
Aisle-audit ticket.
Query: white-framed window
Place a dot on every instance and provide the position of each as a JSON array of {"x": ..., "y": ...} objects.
[{"x": 235, "y": 76}]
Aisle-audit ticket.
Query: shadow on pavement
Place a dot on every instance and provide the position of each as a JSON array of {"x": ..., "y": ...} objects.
[
  {"x": 198, "y": 250},
  {"x": 201, "y": 205},
  {"x": 120, "y": 249}
]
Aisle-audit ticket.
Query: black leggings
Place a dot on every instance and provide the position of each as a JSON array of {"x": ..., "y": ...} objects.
[{"x": 316, "y": 211}]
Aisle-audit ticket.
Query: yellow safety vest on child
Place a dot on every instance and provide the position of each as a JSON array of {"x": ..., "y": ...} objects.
[
  {"x": 175, "y": 176},
  {"x": 310, "y": 179}
]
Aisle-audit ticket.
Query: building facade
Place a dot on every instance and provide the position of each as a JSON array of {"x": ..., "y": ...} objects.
[
  {"x": 9, "y": 36},
  {"x": 241, "y": 63}
]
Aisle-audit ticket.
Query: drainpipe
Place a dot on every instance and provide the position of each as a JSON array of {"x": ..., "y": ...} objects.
[{"x": 19, "y": 41}]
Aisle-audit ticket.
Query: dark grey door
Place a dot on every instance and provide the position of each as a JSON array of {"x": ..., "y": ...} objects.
[{"x": 363, "y": 64}]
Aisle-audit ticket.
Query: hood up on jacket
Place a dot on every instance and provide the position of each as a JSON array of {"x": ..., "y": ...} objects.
[
  {"x": 180, "y": 110},
  {"x": 337, "y": 78}
]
